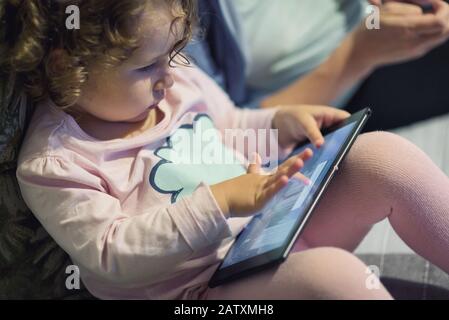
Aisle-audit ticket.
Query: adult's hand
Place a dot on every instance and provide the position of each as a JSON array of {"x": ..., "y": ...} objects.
[{"x": 405, "y": 33}]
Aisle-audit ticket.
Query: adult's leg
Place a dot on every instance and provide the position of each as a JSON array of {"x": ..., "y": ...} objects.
[
  {"x": 385, "y": 176},
  {"x": 406, "y": 93},
  {"x": 321, "y": 273}
]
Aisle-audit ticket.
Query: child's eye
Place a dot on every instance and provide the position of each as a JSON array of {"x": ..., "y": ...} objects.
[{"x": 147, "y": 68}]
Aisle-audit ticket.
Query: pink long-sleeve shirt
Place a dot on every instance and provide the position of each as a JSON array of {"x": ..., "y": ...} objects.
[{"x": 139, "y": 222}]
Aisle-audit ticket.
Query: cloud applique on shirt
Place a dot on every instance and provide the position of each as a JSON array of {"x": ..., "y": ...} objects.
[{"x": 194, "y": 153}]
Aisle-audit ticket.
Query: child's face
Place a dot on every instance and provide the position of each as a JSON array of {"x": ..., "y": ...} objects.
[{"x": 128, "y": 92}]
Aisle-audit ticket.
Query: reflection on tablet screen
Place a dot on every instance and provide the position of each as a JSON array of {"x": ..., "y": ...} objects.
[{"x": 274, "y": 225}]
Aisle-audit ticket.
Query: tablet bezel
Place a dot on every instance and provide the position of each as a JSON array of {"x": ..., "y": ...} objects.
[{"x": 278, "y": 255}]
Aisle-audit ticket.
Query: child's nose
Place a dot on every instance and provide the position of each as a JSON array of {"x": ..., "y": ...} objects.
[{"x": 164, "y": 83}]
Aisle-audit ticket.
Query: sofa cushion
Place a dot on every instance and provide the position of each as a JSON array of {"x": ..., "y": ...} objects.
[
  {"x": 32, "y": 265},
  {"x": 409, "y": 276}
]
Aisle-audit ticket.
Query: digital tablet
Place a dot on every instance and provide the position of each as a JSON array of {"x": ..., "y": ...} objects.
[{"x": 270, "y": 235}]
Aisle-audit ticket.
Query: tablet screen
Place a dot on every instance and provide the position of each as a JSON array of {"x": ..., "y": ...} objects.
[{"x": 278, "y": 220}]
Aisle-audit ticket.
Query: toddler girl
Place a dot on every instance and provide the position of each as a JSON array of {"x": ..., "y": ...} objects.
[{"x": 108, "y": 167}]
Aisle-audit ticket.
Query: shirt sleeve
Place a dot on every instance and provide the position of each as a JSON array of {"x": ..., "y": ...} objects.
[{"x": 89, "y": 224}]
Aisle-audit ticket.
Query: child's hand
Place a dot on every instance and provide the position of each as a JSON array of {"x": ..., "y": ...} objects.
[
  {"x": 296, "y": 123},
  {"x": 247, "y": 194}
]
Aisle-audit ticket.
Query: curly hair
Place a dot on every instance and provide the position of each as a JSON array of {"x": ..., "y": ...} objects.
[{"x": 32, "y": 32}]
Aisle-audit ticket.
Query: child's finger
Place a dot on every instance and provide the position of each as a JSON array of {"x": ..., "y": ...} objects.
[
  {"x": 271, "y": 189},
  {"x": 255, "y": 165},
  {"x": 312, "y": 131},
  {"x": 375, "y": 2},
  {"x": 306, "y": 154},
  {"x": 284, "y": 168},
  {"x": 303, "y": 156},
  {"x": 299, "y": 176},
  {"x": 328, "y": 116},
  {"x": 288, "y": 168}
]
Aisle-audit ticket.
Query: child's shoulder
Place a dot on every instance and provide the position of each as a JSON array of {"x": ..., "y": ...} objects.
[
  {"x": 191, "y": 78},
  {"x": 46, "y": 128}
]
